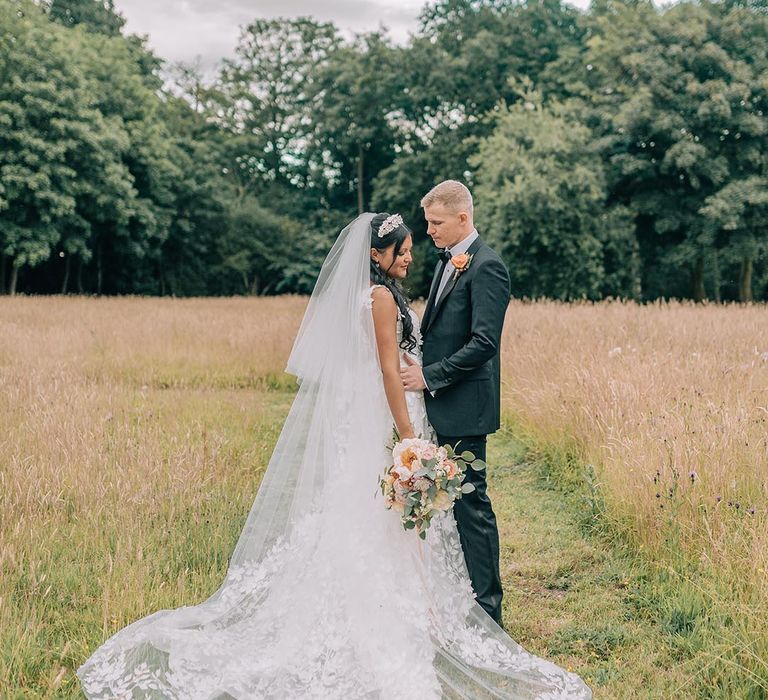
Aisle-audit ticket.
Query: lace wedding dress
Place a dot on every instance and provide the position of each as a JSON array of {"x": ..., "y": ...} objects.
[{"x": 326, "y": 595}]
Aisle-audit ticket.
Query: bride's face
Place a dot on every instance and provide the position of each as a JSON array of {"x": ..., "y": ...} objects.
[{"x": 392, "y": 265}]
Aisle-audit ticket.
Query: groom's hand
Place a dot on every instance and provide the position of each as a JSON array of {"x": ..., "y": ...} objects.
[{"x": 413, "y": 379}]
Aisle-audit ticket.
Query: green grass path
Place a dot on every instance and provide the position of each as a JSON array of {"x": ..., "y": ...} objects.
[{"x": 570, "y": 597}]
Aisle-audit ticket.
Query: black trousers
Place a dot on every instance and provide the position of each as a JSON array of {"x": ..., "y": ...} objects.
[{"x": 479, "y": 535}]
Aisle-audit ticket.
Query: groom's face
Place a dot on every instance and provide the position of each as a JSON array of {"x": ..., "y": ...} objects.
[{"x": 445, "y": 227}]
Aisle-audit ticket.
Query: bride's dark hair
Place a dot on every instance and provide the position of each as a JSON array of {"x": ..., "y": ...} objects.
[{"x": 378, "y": 276}]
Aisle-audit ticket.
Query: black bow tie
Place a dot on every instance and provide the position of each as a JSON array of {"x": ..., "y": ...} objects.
[{"x": 445, "y": 255}]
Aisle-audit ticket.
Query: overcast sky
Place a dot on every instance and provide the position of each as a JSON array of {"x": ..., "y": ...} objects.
[{"x": 181, "y": 30}]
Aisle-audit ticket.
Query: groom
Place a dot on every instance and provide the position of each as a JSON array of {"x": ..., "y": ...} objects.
[{"x": 460, "y": 377}]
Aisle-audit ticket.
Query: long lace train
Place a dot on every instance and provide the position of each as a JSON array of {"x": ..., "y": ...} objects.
[{"x": 326, "y": 596}]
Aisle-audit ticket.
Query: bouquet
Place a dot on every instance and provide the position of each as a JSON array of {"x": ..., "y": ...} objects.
[{"x": 424, "y": 480}]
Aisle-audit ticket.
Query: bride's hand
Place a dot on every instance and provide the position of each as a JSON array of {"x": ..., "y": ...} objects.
[
  {"x": 408, "y": 433},
  {"x": 412, "y": 376}
]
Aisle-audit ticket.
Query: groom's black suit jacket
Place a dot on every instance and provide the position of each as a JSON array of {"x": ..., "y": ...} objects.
[{"x": 462, "y": 337}]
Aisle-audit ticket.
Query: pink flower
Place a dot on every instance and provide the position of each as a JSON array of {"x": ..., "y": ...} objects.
[
  {"x": 402, "y": 473},
  {"x": 429, "y": 451},
  {"x": 411, "y": 445},
  {"x": 421, "y": 484}
]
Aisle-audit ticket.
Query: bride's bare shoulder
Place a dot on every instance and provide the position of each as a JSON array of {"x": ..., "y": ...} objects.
[
  {"x": 383, "y": 304},
  {"x": 381, "y": 294}
]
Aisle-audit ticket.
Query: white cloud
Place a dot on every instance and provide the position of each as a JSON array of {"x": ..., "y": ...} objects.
[{"x": 181, "y": 30}]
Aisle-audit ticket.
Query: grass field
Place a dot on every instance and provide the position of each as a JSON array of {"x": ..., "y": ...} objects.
[
  {"x": 629, "y": 481},
  {"x": 657, "y": 417}
]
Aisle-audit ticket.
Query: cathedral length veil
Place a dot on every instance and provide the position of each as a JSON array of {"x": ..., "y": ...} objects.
[{"x": 326, "y": 596}]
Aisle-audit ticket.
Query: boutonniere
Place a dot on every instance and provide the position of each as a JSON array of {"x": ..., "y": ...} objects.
[{"x": 461, "y": 263}]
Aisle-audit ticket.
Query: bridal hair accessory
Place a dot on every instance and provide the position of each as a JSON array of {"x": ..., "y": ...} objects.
[{"x": 390, "y": 224}]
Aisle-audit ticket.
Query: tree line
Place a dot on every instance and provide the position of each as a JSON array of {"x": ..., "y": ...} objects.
[{"x": 617, "y": 152}]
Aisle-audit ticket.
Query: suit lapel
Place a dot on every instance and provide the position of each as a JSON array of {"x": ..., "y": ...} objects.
[
  {"x": 432, "y": 293},
  {"x": 454, "y": 278}
]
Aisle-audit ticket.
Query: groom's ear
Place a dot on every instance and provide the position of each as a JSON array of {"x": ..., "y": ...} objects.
[{"x": 463, "y": 217}]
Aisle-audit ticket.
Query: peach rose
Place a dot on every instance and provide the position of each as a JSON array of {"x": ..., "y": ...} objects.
[
  {"x": 403, "y": 446},
  {"x": 460, "y": 261},
  {"x": 408, "y": 457}
]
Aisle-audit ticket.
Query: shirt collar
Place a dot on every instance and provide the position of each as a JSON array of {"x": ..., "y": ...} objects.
[{"x": 463, "y": 246}]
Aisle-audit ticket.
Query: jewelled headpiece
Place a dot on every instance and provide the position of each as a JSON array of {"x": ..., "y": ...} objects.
[{"x": 390, "y": 224}]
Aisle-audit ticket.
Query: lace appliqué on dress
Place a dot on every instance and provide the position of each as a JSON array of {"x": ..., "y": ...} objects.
[{"x": 346, "y": 604}]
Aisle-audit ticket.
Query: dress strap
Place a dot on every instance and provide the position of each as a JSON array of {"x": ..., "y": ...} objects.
[
  {"x": 373, "y": 286},
  {"x": 369, "y": 296}
]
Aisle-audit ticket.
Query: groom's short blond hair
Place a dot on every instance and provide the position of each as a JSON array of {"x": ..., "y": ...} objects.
[{"x": 452, "y": 194}]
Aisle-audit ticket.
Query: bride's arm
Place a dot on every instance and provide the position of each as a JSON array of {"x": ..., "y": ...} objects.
[{"x": 385, "y": 325}]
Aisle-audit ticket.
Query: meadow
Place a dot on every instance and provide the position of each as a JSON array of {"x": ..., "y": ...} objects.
[
  {"x": 629, "y": 481},
  {"x": 656, "y": 416}
]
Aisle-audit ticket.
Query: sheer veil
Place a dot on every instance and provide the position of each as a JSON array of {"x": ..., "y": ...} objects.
[
  {"x": 326, "y": 596},
  {"x": 333, "y": 358},
  {"x": 338, "y": 418}
]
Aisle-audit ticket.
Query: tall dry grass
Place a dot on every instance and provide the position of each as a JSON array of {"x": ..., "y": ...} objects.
[
  {"x": 668, "y": 403},
  {"x": 126, "y": 423}
]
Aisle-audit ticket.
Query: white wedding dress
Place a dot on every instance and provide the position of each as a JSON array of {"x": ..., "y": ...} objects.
[{"x": 327, "y": 596}]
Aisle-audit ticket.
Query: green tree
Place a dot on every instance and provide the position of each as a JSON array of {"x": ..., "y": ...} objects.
[
  {"x": 256, "y": 245},
  {"x": 126, "y": 235},
  {"x": 541, "y": 199},
  {"x": 95, "y": 15},
  {"x": 679, "y": 103},
  {"x": 264, "y": 98},
  {"x": 739, "y": 210},
  {"x": 354, "y": 104},
  {"x": 454, "y": 72},
  {"x": 48, "y": 122},
  {"x": 202, "y": 196}
]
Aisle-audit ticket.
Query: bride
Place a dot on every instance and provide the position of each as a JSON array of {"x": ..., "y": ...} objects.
[{"x": 326, "y": 595}]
